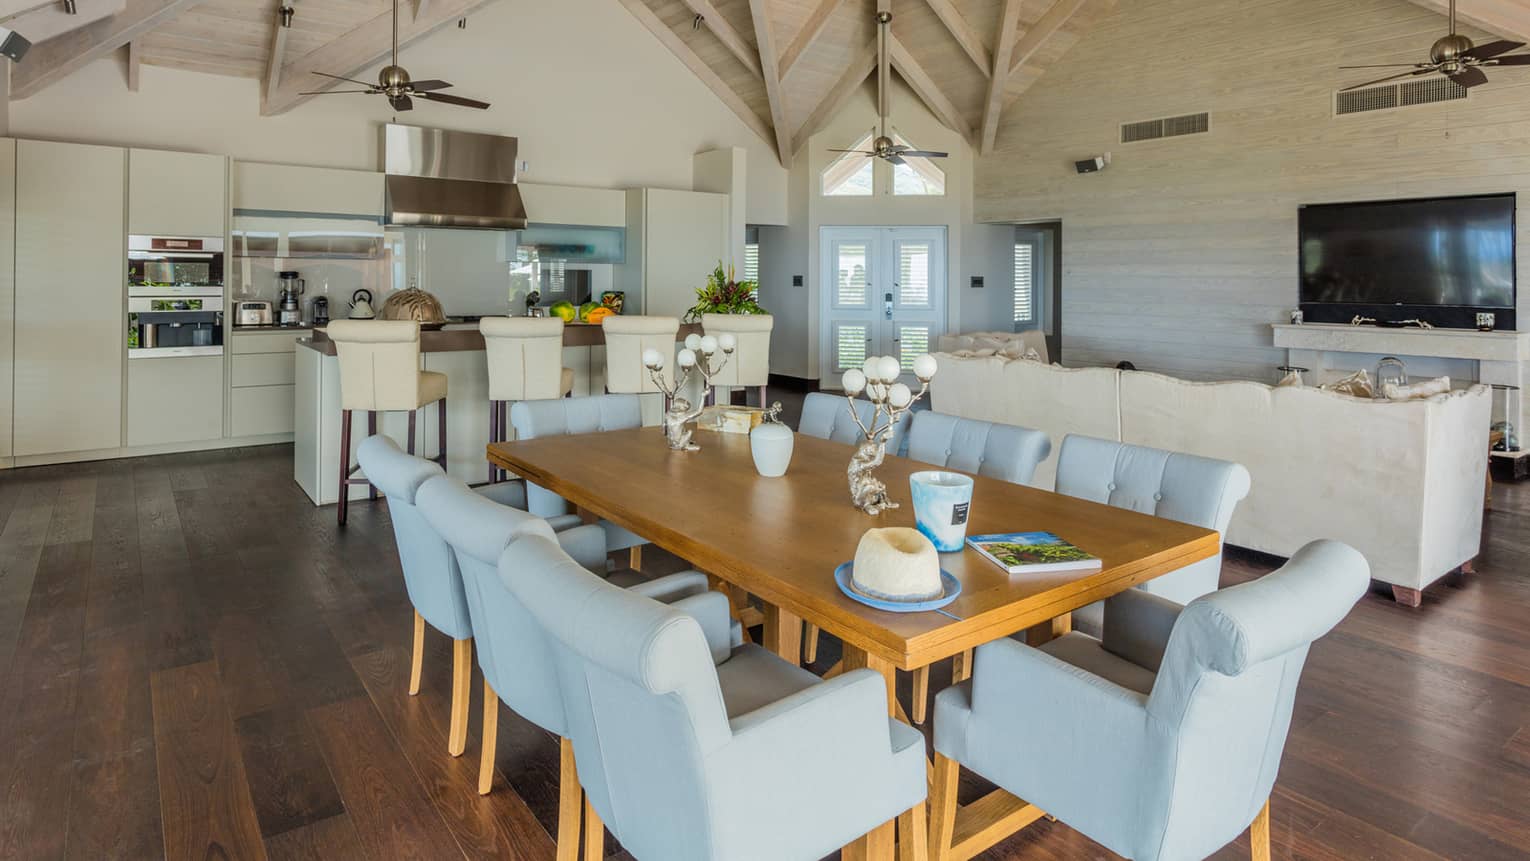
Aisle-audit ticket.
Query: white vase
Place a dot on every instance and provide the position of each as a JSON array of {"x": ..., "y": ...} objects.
[{"x": 771, "y": 446}]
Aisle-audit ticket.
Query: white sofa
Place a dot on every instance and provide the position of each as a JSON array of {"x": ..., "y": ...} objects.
[
  {"x": 994, "y": 342},
  {"x": 1402, "y": 481}
]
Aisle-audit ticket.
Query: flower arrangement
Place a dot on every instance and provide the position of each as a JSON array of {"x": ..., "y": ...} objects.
[{"x": 724, "y": 295}]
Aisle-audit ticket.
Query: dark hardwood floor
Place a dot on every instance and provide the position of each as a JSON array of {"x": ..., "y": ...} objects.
[{"x": 196, "y": 663}]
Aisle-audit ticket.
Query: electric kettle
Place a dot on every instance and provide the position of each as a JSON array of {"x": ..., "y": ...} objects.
[{"x": 361, "y": 305}]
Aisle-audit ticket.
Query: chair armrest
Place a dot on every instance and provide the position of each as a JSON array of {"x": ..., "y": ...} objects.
[
  {"x": 587, "y": 544},
  {"x": 1138, "y": 625},
  {"x": 511, "y": 493},
  {"x": 672, "y": 587},
  {"x": 710, "y": 610},
  {"x": 564, "y": 522}
]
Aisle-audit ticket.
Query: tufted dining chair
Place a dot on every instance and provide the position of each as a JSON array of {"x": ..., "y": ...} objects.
[
  {"x": 596, "y": 414},
  {"x": 1160, "y": 741},
  {"x": 512, "y": 652},
  {"x": 431, "y": 575},
  {"x": 687, "y": 758},
  {"x": 1184, "y": 487},
  {"x": 1006, "y": 452}
]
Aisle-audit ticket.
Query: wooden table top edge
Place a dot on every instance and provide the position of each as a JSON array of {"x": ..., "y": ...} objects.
[{"x": 922, "y": 650}]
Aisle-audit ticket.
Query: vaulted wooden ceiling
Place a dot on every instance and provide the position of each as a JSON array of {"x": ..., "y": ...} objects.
[{"x": 784, "y": 66}]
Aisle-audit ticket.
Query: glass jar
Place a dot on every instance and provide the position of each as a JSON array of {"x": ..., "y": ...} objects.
[{"x": 1390, "y": 371}]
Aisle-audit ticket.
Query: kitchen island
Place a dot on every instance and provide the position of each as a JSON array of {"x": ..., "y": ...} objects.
[{"x": 457, "y": 351}]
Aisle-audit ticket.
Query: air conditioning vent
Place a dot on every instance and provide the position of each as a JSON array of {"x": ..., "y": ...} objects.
[
  {"x": 1398, "y": 96},
  {"x": 1169, "y": 127}
]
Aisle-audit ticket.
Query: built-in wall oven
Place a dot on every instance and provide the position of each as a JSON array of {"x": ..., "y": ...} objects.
[{"x": 175, "y": 296}]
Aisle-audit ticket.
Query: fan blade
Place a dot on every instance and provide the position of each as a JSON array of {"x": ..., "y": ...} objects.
[
  {"x": 861, "y": 151},
  {"x": 1469, "y": 77},
  {"x": 1412, "y": 74},
  {"x": 401, "y": 103},
  {"x": 453, "y": 100},
  {"x": 428, "y": 85},
  {"x": 1493, "y": 49},
  {"x": 894, "y": 158},
  {"x": 1388, "y": 66},
  {"x": 336, "y": 92},
  {"x": 344, "y": 78},
  {"x": 1513, "y": 60},
  {"x": 923, "y": 153}
]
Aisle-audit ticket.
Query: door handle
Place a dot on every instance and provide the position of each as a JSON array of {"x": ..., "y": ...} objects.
[{"x": 887, "y": 303}]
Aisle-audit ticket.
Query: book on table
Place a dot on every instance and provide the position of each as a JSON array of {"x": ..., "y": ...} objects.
[{"x": 1032, "y": 552}]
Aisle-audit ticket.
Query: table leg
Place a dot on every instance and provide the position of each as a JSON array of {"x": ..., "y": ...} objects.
[
  {"x": 856, "y": 658},
  {"x": 875, "y": 845},
  {"x": 1046, "y": 632},
  {"x": 783, "y": 634}
]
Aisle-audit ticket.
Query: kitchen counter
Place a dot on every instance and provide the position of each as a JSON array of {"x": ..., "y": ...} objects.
[
  {"x": 273, "y": 327},
  {"x": 454, "y": 340}
]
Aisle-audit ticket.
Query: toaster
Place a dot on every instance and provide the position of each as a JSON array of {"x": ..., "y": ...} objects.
[{"x": 255, "y": 312}]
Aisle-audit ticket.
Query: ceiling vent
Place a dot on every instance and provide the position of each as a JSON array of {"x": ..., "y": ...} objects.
[
  {"x": 1169, "y": 127},
  {"x": 1401, "y": 95}
]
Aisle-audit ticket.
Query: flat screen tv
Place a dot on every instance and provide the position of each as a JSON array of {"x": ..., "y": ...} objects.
[{"x": 1441, "y": 260}]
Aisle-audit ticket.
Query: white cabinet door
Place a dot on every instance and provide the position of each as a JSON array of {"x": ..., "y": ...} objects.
[
  {"x": 177, "y": 193},
  {"x": 685, "y": 235},
  {"x": 71, "y": 311},
  {"x": 288, "y": 188},
  {"x": 175, "y": 400},
  {"x": 7, "y": 288}
]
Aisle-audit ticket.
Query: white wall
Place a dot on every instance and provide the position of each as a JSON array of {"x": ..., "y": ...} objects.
[
  {"x": 633, "y": 118},
  {"x": 1181, "y": 253}
]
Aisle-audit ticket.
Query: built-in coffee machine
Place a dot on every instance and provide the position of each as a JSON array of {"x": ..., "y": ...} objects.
[{"x": 175, "y": 296}]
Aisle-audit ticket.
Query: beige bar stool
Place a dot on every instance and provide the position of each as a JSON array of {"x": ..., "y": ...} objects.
[
  {"x": 380, "y": 372},
  {"x": 626, "y": 339},
  {"x": 749, "y": 366},
  {"x": 525, "y": 357}
]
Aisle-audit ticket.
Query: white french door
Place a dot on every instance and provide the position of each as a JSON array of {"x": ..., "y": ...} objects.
[{"x": 883, "y": 294}]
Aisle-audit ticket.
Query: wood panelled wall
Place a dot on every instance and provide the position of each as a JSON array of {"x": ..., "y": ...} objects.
[{"x": 1180, "y": 254}]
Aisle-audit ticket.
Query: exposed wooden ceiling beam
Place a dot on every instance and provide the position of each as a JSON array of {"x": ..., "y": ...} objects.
[
  {"x": 1004, "y": 48},
  {"x": 134, "y": 64},
  {"x": 45, "y": 22},
  {"x": 769, "y": 67},
  {"x": 924, "y": 87},
  {"x": 811, "y": 29},
  {"x": 58, "y": 57},
  {"x": 1499, "y": 17},
  {"x": 698, "y": 67},
  {"x": 960, "y": 30},
  {"x": 278, "y": 53},
  {"x": 725, "y": 33},
  {"x": 1045, "y": 29},
  {"x": 861, "y": 66},
  {"x": 352, "y": 53}
]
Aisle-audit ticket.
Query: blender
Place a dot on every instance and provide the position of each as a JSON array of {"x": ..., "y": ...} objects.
[{"x": 289, "y": 306}]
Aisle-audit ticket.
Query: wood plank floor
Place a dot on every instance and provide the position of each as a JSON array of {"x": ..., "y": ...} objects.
[{"x": 195, "y": 663}]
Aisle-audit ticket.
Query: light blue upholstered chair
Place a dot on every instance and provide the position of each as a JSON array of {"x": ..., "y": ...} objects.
[
  {"x": 596, "y": 414},
  {"x": 1006, "y": 452},
  {"x": 685, "y": 758},
  {"x": 512, "y": 651},
  {"x": 1161, "y": 741},
  {"x": 1184, "y": 487},
  {"x": 827, "y": 416},
  {"x": 431, "y": 575}
]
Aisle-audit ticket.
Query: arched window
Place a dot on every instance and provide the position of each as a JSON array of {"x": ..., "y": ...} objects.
[
  {"x": 850, "y": 175},
  {"x": 917, "y": 176}
]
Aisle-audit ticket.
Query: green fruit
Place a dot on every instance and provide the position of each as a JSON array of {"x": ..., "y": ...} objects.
[
  {"x": 586, "y": 308},
  {"x": 564, "y": 310}
]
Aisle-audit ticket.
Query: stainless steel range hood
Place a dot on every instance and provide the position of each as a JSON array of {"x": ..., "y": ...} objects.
[{"x": 439, "y": 178}]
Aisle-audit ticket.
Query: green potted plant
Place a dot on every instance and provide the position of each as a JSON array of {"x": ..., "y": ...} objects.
[{"x": 724, "y": 295}]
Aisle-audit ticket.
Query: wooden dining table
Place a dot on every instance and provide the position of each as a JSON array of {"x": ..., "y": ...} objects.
[{"x": 780, "y": 539}]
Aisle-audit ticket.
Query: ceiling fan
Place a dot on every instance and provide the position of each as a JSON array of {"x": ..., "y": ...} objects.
[
  {"x": 1455, "y": 57},
  {"x": 882, "y": 146},
  {"x": 394, "y": 82}
]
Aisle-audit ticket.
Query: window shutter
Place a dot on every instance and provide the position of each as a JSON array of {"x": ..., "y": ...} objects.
[{"x": 1025, "y": 283}]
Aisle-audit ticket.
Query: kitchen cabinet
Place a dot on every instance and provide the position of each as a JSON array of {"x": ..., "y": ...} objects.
[
  {"x": 177, "y": 193},
  {"x": 7, "y": 290},
  {"x": 288, "y": 188},
  {"x": 174, "y": 400},
  {"x": 261, "y": 389},
  {"x": 674, "y": 240},
  {"x": 70, "y": 314}
]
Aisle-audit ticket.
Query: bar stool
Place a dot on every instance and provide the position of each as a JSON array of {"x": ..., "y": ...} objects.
[
  {"x": 626, "y": 339},
  {"x": 380, "y": 372},
  {"x": 525, "y": 356},
  {"x": 750, "y": 363}
]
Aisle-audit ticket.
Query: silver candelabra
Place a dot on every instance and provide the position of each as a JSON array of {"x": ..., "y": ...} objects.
[
  {"x": 878, "y": 378},
  {"x": 697, "y": 355}
]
